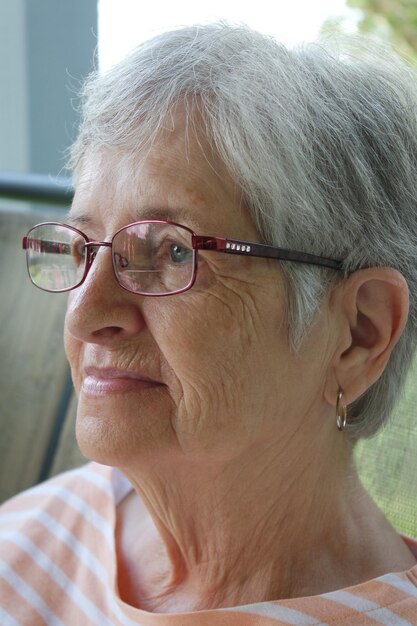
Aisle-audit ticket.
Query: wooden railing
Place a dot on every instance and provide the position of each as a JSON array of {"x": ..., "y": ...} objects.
[
  {"x": 37, "y": 402},
  {"x": 36, "y": 188}
]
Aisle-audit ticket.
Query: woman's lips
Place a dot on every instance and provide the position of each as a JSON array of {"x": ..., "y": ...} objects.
[{"x": 100, "y": 382}]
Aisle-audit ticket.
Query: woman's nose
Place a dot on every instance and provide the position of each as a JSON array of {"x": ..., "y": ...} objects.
[{"x": 100, "y": 310}]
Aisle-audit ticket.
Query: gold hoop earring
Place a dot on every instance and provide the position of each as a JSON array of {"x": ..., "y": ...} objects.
[{"x": 341, "y": 412}]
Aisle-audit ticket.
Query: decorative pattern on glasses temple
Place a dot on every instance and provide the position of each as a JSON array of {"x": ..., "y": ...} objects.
[{"x": 236, "y": 246}]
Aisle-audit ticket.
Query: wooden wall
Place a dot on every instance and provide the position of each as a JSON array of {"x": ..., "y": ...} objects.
[{"x": 37, "y": 405}]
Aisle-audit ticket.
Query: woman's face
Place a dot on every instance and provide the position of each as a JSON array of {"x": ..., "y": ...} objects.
[{"x": 204, "y": 375}]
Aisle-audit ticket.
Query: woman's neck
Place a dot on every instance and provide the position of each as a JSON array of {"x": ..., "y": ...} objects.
[{"x": 255, "y": 531}]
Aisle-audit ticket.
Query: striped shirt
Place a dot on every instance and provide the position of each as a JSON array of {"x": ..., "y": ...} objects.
[{"x": 58, "y": 567}]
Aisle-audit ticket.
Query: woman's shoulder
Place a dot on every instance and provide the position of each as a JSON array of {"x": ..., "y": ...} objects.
[
  {"x": 81, "y": 501},
  {"x": 82, "y": 482},
  {"x": 56, "y": 542},
  {"x": 90, "y": 487},
  {"x": 67, "y": 500}
]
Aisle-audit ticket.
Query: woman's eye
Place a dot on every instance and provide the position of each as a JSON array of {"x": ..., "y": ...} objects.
[
  {"x": 180, "y": 254},
  {"x": 78, "y": 251}
]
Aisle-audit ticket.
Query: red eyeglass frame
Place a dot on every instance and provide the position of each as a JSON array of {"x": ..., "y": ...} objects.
[{"x": 199, "y": 242}]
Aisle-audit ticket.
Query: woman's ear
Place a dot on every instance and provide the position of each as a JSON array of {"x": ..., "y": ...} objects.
[{"x": 372, "y": 305}]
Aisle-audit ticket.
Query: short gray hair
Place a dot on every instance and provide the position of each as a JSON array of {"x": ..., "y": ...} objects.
[{"x": 322, "y": 144}]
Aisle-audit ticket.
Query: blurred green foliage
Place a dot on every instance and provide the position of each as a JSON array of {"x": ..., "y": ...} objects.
[
  {"x": 392, "y": 20},
  {"x": 387, "y": 463}
]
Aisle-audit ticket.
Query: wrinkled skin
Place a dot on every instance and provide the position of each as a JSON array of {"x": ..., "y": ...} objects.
[
  {"x": 244, "y": 489},
  {"x": 221, "y": 349}
]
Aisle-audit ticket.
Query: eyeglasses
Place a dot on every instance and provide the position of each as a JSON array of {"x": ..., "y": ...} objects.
[{"x": 150, "y": 258}]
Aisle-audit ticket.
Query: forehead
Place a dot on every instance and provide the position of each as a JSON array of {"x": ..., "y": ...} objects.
[{"x": 180, "y": 178}]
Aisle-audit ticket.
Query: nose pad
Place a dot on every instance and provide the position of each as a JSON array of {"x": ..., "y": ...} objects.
[{"x": 91, "y": 251}]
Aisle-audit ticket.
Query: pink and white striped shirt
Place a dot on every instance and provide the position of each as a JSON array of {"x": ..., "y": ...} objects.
[{"x": 58, "y": 567}]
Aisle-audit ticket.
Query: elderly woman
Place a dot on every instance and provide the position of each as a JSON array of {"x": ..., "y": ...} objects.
[{"x": 241, "y": 261}]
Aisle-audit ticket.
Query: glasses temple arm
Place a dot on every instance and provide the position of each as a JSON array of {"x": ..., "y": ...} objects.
[{"x": 246, "y": 248}]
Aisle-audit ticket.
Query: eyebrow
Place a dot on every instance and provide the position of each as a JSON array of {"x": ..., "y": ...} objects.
[
  {"x": 175, "y": 214},
  {"x": 165, "y": 213},
  {"x": 78, "y": 219}
]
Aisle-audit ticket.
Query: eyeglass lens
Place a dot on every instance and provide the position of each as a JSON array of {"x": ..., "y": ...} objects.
[
  {"x": 152, "y": 258},
  {"x": 56, "y": 257}
]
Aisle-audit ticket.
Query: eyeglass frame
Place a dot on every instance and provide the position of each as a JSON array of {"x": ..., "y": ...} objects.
[{"x": 225, "y": 245}]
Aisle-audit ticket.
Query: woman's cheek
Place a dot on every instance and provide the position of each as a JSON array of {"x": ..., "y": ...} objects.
[
  {"x": 208, "y": 356},
  {"x": 73, "y": 351}
]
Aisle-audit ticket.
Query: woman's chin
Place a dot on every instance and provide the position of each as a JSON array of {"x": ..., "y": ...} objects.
[{"x": 121, "y": 431}]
